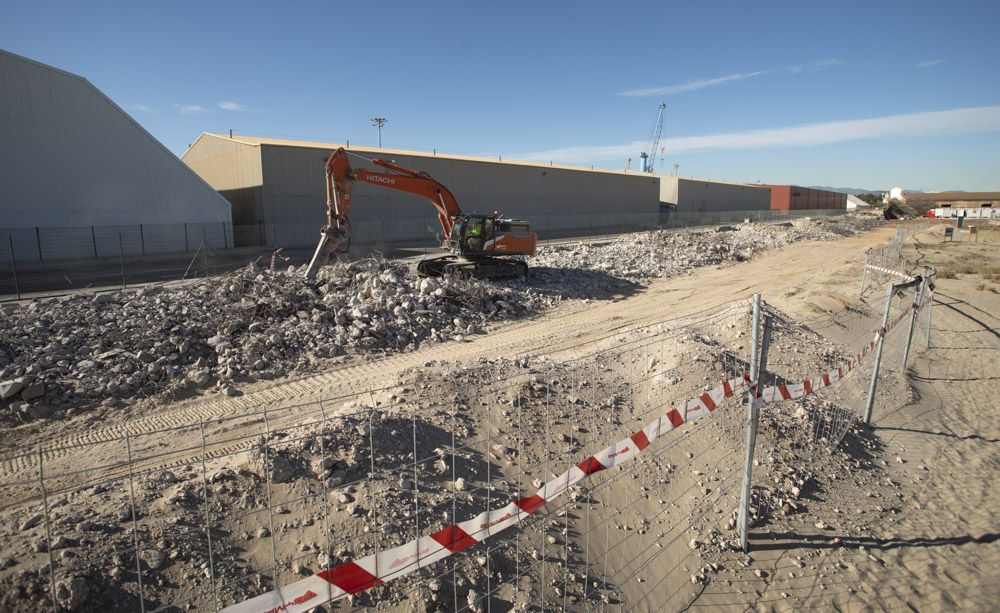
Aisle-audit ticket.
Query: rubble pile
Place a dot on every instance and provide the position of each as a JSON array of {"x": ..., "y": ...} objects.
[
  {"x": 83, "y": 350},
  {"x": 663, "y": 253}
]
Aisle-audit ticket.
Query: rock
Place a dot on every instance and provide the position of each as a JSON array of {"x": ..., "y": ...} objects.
[
  {"x": 145, "y": 357},
  {"x": 152, "y": 558},
  {"x": 31, "y": 522},
  {"x": 72, "y": 592},
  {"x": 459, "y": 484},
  {"x": 11, "y": 388},
  {"x": 200, "y": 376},
  {"x": 263, "y": 533},
  {"x": 32, "y": 391}
]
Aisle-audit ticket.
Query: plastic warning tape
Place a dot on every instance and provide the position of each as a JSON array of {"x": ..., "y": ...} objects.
[
  {"x": 890, "y": 271},
  {"x": 354, "y": 577},
  {"x": 373, "y": 570}
]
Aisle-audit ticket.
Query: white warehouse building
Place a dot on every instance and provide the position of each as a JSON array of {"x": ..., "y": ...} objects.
[{"x": 80, "y": 178}]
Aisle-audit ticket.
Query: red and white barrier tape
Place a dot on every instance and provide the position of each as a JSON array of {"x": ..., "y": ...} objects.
[
  {"x": 890, "y": 271},
  {"x": 374, "y": 570}
]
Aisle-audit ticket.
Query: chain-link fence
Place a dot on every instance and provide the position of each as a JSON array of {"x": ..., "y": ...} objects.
[
  {"x": 61, "y": 260},
  {"x": 490, "y": 486}
]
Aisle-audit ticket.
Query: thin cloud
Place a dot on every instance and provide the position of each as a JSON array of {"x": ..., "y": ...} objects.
[
  {"x": 929, "y": 63},
  {"x": 690, "y": 86},
  {"x": 145, "y": 108},
  {"x": 814, "y": 66},
  {"x": 230, "y": 105},
  {"x": 971, "y": 120},
  {"x": 190, "y": 109}
]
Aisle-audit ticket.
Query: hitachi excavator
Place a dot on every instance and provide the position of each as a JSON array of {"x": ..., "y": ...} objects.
[{"x": 484, "y": 246}]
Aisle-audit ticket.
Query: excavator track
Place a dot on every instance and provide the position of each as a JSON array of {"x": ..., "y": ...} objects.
[{"x": 480, "y": 268}]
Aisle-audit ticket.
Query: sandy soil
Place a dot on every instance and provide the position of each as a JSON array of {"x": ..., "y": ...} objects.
[{"x": 929, "y": 538}]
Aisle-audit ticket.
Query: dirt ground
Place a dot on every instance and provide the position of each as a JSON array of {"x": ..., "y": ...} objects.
[{"x": 933, "y": 547}]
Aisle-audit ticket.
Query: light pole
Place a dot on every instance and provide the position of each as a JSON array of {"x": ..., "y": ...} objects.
[
  {"x": 378, "y": 122},
  {"x": 676, "y": 166}
]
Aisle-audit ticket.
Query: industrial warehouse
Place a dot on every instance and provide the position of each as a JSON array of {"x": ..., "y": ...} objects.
[
  {"x": 77, "y": 170},
  {"x": 246, "y": 373}
]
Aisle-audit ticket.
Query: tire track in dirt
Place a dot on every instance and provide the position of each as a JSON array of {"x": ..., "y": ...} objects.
[{"x": 563, "y": 330}]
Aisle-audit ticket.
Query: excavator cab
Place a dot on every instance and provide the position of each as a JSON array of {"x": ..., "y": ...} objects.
[{"x": 471, "y": 234}]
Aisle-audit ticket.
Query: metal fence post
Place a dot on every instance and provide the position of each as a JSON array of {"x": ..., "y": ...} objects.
[
  {"x": 870, "y": 401},
  {"x": 93, "y": 239},
  {"x": 864, "y": 271},
  {"x": 38, "y": 241},
  {"x": 208, "y": 521},
  {"x": 930, "y": 304},
  {"x": 121, "y": 250},
  {"x": 225, "y": 237},
  {"x": 17, "y": 288},
  {"x": 187, "y": 247},
  {"x": 142, "y": 240},
  {"x": 753, "y": 413},
  {"x": 913, "y": 319},
  {"x": 48, "y": 531},
  {"x": 135, "y": 522}
]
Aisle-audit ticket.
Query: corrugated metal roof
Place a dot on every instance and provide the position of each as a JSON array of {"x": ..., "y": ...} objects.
[{"x": 282, "y": 142}]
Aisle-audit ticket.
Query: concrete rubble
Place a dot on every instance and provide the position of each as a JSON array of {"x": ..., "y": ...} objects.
[
  {"x": 79, "y": 351},
  {"x": 664, "y": 253},
  {"x": 62, "y": 355}
]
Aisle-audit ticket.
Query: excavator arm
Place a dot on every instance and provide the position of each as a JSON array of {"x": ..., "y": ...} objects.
[{"x": 340, "y": 178}]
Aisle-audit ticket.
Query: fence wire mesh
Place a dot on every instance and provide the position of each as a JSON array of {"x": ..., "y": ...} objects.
[{"x": 220, "y": 510}]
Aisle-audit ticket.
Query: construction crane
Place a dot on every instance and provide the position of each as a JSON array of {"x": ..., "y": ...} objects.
[{"x": 648, "y": 160}]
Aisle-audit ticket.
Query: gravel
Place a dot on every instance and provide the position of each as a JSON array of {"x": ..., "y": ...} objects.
[
  {"x": 62, "y": 355},
  {"x": 662, "y": 253},
  {"x": 80, "y": 351}
]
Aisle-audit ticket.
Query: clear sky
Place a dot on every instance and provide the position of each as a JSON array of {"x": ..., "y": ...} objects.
[{"x": 849, "y": 94}]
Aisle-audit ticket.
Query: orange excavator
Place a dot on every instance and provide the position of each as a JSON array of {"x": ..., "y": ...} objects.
[{"x": 484, "y": 246}]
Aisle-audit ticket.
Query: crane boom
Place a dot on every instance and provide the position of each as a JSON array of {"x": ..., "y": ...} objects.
[{"x": 649, "y": 159}]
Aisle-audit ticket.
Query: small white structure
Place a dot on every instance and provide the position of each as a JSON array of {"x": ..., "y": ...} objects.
[{"x": 854, "y": 203}]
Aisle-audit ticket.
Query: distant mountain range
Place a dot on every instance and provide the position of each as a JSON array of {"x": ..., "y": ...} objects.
[{"x": 854, "y": 191}]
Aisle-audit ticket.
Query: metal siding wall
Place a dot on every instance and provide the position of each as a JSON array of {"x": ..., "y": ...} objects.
[
  {"x": 70, "y": 158},
  {"x": 555, "y": 201},
  {"x": 224, "y": 164},
  {"x": 694, "y": 195}
]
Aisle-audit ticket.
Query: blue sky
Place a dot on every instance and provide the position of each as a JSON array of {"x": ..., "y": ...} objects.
[{"x": 851, "y": 94}]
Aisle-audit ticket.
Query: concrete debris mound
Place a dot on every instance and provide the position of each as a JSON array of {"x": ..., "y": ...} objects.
[
  {"x": 79, "y": 351},
  {"x": 663, "y": 253}
]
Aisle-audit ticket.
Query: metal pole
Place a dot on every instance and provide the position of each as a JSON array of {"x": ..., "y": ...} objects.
[
  {"x": 48, "y": 531},
  {"x": 93, "y": 239},
  {"x": 753, "y": 412},
  {"x": 121, "y": 250},
  {"x": 208, "y": 521},
  {"x": 930, "y": 304},
  {"x": 870, "y": 401},
  {"x": 186, "y": 246},
  {"x": 913, "y": 318},
  {"x": 17, "y": 288},
  {"x": 38, "y": 241},
  {"x": 225, "y": 236},
  {"x": 142, "y": 239},
  {"x": 864, "y": 271},
  {"x": 135, "y": 523}
]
